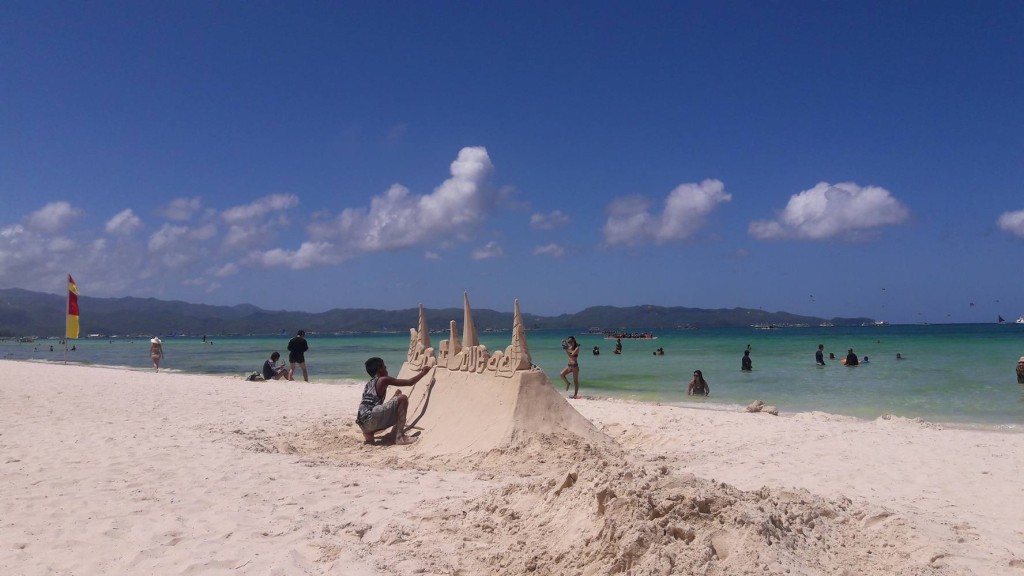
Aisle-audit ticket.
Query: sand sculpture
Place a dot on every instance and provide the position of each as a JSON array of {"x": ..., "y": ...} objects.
[{"x": 480, "y": 400}]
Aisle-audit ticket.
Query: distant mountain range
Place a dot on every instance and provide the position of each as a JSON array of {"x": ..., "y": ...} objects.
[{"x": 23, "y": 313}]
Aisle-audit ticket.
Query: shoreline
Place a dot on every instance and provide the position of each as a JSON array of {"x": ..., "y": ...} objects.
[{"x": 1011, "y": 428}]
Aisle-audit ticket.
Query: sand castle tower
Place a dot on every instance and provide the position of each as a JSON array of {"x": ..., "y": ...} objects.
[{"x": 482, "y": 401}]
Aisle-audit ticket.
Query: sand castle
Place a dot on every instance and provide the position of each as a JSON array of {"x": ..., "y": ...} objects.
[{"x": 482, "y": 400}]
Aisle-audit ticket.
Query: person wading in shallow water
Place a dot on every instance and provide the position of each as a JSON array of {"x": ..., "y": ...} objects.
[{"x": 698, "y": 386}]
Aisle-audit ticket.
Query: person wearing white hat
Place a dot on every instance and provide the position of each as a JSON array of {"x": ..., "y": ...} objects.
[
  {"x": 1020, "y": 370},
  {"x": 156, "y": 352}
]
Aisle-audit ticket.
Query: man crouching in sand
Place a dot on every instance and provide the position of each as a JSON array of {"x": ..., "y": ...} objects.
[{"x": 375, "y": 414}]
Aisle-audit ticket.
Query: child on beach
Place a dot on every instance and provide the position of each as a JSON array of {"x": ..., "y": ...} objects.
[{"x": 375, "y": 414}]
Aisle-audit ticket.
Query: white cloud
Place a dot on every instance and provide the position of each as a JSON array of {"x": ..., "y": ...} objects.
[
  {"x": 549, "y": 221},
  {"x": 123, "y": 223},
  {"x": 181, "y": 209},
  {"x": 53, "y": 217},
  {"x": 400, "y": 219},
  {"x": 254, "y": 213},
  {"x": 491, "y": 250},
  {"x": 831, "y": 210},
  {"x": 178, "y": 246},
  {"x": 60, "y": 244},
  {"x": 229, "y": 269},
  {"x": 1012, "y": 222},
  {"x": 549, "y": 250},
  {"x": 631, "y": 223},
  {"x": 257, "y": 223},
  {"x": 309, "y": 254},
  {"x": 431, "y": 255}
]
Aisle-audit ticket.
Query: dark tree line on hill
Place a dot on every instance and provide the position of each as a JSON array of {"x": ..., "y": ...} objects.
[{"x": 23, "y": 313}]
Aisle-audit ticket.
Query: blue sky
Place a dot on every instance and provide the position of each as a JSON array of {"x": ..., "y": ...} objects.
[{"x": 822, "y": 158}]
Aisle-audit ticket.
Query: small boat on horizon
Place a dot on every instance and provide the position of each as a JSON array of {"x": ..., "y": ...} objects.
[
  {"x": 1021, "y": 319},
  {"x": 630, "y": 336}
]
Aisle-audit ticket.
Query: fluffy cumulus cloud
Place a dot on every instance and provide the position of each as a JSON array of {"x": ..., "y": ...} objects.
[
  {"x": 549, "y": 221},
  {"x": 53, "y": 217},
  {"x": 843, "y": 210},
  {"x": 399, "y": 219},
  {"x": 255, "y": 223},
  {"x": 631, "y": 221},
  {"x": 549, "y": 250},
  {"x": 491, "y": 250},
  {"x": 124, "y": 223},
  {"x": 38, "y": 254},
  {"x": 1012, "y": 222},
  {"x": 176, "y": 246},
  {"x": 181, "y": 209},
  {"x": 308, "y": 254}
]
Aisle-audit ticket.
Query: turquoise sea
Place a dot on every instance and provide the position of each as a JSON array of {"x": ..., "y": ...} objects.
[{"x": 959, "y": 374}]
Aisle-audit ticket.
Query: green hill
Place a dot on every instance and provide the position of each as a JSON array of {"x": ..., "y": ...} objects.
[{"x": 23, "y": 312}]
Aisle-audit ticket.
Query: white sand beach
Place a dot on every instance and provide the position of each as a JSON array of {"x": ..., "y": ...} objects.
[{"x": 116, "y": 471}]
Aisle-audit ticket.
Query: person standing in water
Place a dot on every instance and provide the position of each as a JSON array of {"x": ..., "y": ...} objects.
[
  {"x": 746, "y": 364},
  {"x": 156, "y": 352},
  {"x": 698, "y": 386},
  {"x": 572, "y": 350},
  {"x": 819, "y": 356}
]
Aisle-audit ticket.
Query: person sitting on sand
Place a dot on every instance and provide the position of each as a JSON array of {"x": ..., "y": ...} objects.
[
  {"x": 375, "y": 414},
  {"x": 271, "y": 371},
  {"x": 698, "y": 386}
]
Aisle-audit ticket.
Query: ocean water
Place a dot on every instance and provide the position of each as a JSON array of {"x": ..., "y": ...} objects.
[{"x": 961, "y": 374}]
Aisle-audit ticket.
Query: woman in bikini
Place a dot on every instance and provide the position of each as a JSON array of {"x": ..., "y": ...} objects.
[
  {"x": 572, "y": 349},
  {"x": 698, "y": 386}
]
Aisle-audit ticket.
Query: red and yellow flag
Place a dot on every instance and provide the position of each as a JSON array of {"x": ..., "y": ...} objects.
[{"x": 72, "y": 325}]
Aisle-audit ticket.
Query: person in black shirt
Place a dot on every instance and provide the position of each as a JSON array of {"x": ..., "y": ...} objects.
[
  {"x": 271, "y": 371},
  {"x": 851, "y": 358},
  {"x": 746, "y": 364},
  {"x": 297, "y": 347},
  {"x": 819, "y": 356}
]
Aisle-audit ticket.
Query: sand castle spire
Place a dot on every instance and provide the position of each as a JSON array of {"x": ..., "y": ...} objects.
[
  {"x": 469, "y": 337},
  {"x": 424, "y": 332},
  {"x": 519, "y": 339},
  {"x": 420, "y": 353}
]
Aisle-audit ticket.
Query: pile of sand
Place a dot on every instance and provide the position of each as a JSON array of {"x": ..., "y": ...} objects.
[{"x": 569, "y": 500}]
